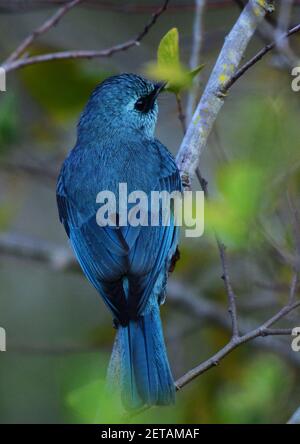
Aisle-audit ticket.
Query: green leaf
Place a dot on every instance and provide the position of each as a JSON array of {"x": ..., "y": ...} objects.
[
  {"x": 61, "y": 89},
  {"x": 197, "y": 70},
  {"x": 168, "y": 66},
  {"x": 178, "y": 78},
  {"x": 9, "y": 123},
  {"x": 168, "y": 49}
]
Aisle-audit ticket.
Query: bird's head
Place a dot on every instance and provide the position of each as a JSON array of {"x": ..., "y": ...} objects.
[{"x": 126, "y": 102}]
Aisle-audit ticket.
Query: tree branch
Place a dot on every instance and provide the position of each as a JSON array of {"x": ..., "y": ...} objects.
[
  {"x": 261, "y": 331},
  {"x": 43, "y": 173},
  {"x": 239, "y": 73},
  {"x": 283, "y": 47},
  {"x": 212, "y": 99},
  {"x": 295, "y": 419},
  {"x": 77, "y": 54},
  {"x": 62, "y": 259},
  {"x": 48, "y": 24},
  {"x": 59, "y": 258},
  {"x": 195, "y": 59},
  {"x": 231, "y": 296},
  {"x": 181, "y": 115}
]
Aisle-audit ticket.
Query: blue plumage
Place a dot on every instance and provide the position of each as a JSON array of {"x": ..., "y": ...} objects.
[{"x": 127, "y": 265}]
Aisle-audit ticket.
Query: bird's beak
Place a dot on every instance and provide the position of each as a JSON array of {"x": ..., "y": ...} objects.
[{"x": 159, "y": 87}]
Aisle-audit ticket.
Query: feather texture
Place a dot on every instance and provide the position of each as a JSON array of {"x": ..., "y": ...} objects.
[{"x": 128, "y": 265}]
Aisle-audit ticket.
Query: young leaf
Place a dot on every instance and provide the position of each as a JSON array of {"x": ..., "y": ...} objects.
[
  {"x": 168, "y": 66},
  {"x": 168, "y": 49},
  {"x": 196, "y": 71}
]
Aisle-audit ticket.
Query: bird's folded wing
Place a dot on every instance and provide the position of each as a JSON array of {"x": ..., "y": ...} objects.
[{"x": 106, "y": 254}]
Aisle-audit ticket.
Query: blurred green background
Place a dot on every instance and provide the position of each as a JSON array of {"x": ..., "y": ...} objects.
[{"x": 59, "y": 334}]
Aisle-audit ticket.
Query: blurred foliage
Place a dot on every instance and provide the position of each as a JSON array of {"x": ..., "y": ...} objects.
[
  {"x": 258, "y": 395},
  {"x": 61, "y": 88},
  {"x": 266, "y": 135},
  {"x": 247, "y": 389},
  {"x": 6, "y": 215},
  {"x": 9, "y": 121},
  {"x": 169, "y": 67},
  {"x": 233, "y": 212},
  {"x": 93, "y": 403},
  {"x": 89, "y": 400},
  {"x": 264, "y": 167}
]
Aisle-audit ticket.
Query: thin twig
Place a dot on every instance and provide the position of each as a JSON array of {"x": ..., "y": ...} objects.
[
  {"x": 293, "y": 288},
  {"x": 212, "y": 100},
  {"x": 195, "y": 59},
  {"x": 63, "y": 260},
  {"x": 296, "y": 229},
  {"x": 203, "y": 182},
  {"x": 48, "y": 24},
  {"x": 295, "y": 418},
  {"x": 59, "y": 258},
  {"x": 33, "y": 169},
  {"x": 282, "y": 44},
  {"x": 86, "y": 54},
  {"x": 181, "y": 115},
  {"x": 261, "y": 331},
  {"x": 222, "y": 248},
  {"x": 126, "y": 7},
  {"x": 230, "y": 293},
  {"x": 239, "y": 73}
]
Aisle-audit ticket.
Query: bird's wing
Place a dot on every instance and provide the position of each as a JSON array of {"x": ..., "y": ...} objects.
[
  {"x": 101, "y": 251},
  {"x": 155, "y": 246},
  {"x": 107, "y": 254}
]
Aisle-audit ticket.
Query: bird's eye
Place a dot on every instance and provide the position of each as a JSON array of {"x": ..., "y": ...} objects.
[{"x": 141, "y": 104}]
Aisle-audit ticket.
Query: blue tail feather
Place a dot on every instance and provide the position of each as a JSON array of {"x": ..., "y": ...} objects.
[{"x": 143, "y": 369}]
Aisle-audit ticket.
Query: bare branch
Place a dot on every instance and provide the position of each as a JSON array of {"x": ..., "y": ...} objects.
[
  {"x": 295, "y": 419},
  {"x": 220, "y": 81},
  {"x": 21, "y": 247},
  {"x": 278, "y": 332},
  {"x": 212, "y": 99},
  {"x": 62, "y": 259},
  {"x": 256, "y": 59},
  {"x": 43, "y": 173},
  {"x": 261, "y": 331},
  {"x": 293, "y": 288},
  {"x": 296, "y": 230},
  {"x": 181, "y": 115},
  {"x": 282, "y": 44},
  {"x": 211, "y": 312},
  {"x": 222, "y": 248},
  {"x": 195, "y": 59},
  {"x": 106, "y": 5},
  {"x": 231, "y": 296},
  {"x": 48, "y": 24},
  {"x": 86, "y": 54}
]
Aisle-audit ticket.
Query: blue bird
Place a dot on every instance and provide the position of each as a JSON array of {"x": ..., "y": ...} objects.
[{"x": 128, "y": 265}]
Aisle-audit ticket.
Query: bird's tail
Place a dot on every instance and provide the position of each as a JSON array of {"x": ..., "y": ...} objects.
[{"x": 139, "y": 363}]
